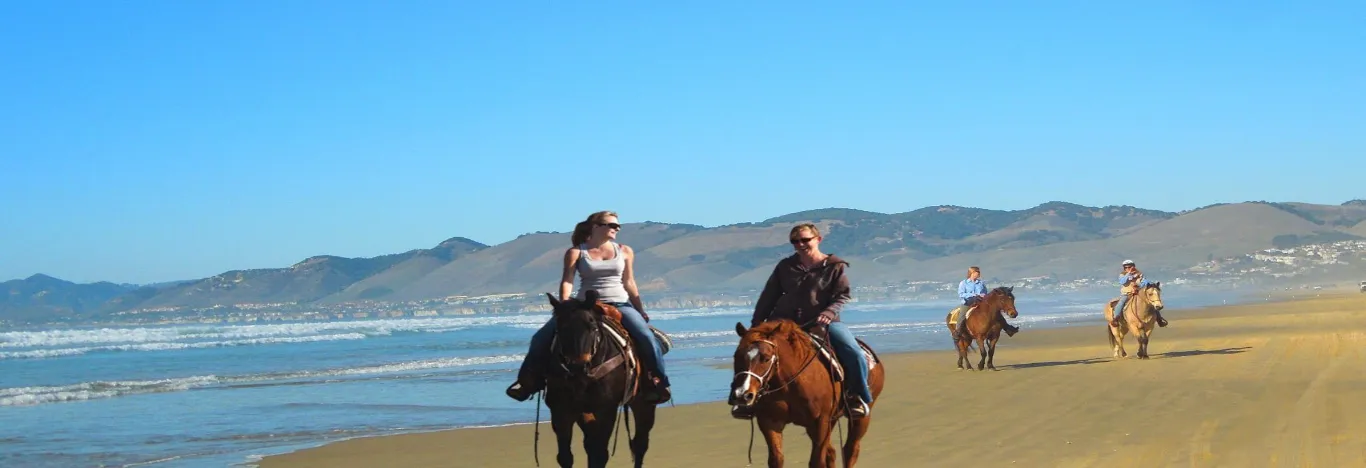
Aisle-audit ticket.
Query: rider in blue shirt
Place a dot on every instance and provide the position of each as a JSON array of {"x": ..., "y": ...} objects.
[
  {"x": 1130, "y": 281},
  {"x": 971, "y": 291}
]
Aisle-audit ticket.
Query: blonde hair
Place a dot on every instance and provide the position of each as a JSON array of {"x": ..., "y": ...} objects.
[
  {"x": 585, "y": 228},
  {"x": 815, "y": 231},
  {"x": 973, "y": 269}
]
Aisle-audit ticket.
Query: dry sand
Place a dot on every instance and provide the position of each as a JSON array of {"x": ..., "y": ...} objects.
[{"x": 1279, "y": 384}]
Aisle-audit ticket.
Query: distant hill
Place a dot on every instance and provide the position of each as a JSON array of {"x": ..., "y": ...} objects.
[
  {"x": 309, "y": 280},
  {"x": 1059, "y": 239},
  {"x": 44, "y": 298}
]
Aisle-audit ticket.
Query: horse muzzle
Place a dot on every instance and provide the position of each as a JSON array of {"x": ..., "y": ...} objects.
[{"x": 742, "y": 397}]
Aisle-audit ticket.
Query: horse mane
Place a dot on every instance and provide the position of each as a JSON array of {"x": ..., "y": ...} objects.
[{"x": 773, "y": 329}]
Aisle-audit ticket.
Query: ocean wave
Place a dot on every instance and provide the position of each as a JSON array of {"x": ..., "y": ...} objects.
[
  {"x": 24, "y": 396},
  {"x": 184, "y": 333},
  {"x": 170, "y": 346}
]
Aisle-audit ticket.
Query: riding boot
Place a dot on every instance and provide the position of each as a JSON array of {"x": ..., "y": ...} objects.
[
  {"x": 656, "y": 392},
  {"x": 857, "y": 407},
  {"x": 1010, "y": 330},
  {"x": 1161, "y": 322},
  {"x": 961, "y": 332},
  {"x": 529, "y": 381}
]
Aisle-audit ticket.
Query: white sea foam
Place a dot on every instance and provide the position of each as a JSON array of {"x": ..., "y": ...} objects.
[
  {"x": 22, "y": 396},
  {"x": 169, "y": 346},
  {"x": 67, "y": 337}
]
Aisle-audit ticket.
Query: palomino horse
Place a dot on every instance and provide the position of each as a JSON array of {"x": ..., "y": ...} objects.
[
  {"x": 984, "y": 326},
  {"x": 596, "y": 372},
  {"x": 776, "y": 382},
  {"x": 1138, "y": 317}
]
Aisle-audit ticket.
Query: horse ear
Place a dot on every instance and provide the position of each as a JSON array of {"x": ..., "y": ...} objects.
[
  {"x": 1157, "y": 284},
  {"x": 740, "y": 329},
  {"x": 1010, "y": 289},
  {"x": 591, "y": 296},
  {"x": 555, "y": 303}
]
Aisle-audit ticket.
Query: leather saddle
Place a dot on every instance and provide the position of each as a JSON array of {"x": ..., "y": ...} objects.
[{"x": 832, "y": 362}]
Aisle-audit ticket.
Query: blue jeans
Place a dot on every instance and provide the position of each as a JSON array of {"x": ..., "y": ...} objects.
[
  {"x": 633, "y": 322},
  {"x": 1119, "y": 308},
  {"x": 851, "y": 357}
]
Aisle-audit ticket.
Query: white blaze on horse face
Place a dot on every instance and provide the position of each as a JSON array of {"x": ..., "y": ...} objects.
[{"x": 752, "y": 354}]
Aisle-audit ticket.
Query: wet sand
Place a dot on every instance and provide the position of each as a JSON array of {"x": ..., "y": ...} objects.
[{"x": 1277, "y": 384}]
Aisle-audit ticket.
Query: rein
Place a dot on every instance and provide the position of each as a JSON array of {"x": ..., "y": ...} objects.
[
  {"x": 772, "y": 364},
  {"x": 594, "y": 373}
]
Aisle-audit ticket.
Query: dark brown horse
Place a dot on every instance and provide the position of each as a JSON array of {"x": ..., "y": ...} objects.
[
  {"x": 593, "y": 375},
  {"x": 984, "y": 326},
  {"x": 779, "y": 381}
]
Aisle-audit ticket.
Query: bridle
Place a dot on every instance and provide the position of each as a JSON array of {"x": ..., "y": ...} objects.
[
  {"x": 768, "y": 372},
  {"x": 596, "y": 331}
]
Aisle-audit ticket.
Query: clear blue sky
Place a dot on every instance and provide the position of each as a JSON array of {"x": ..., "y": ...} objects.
[{"x": 162, "y": 140}]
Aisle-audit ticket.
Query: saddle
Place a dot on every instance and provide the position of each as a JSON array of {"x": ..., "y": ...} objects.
[
  {"x": 953, "y": 318},
  {"x": 832, "y": 362}
]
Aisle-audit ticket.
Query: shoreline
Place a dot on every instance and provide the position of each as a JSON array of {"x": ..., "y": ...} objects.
[{"x": 1039, "y": 342}]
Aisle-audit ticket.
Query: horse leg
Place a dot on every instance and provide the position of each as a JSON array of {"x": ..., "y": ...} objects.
[
  {"x": 1142, "y": 336},
  {"x": 645, "y": 421},
  {"x": 857, "y": 428},
  {"x": 982, "y": 349},
  {"x": 991, "y": 353},
  {"x": 562, "y": 422},
  {"x": 596, "y": 435},
  {"x": 1120, "y": 333},
  {"x": 962, "y": 347},
  {"x": 773, "y": 435},
  {"x": 822, "y": 454}
]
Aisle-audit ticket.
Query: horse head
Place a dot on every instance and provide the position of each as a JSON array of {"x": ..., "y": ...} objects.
[
  {"x": 756, "y": 359},
  {"x": 1006, "y": 296},
  {"x": 578, "y": 330},
  {"x": 1153, "y": 292}
]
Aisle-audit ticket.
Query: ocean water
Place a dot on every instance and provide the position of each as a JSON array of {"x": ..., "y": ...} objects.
[{"x": 224, "y": 395}]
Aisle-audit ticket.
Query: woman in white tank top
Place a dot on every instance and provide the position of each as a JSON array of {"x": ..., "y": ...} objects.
[{"x": 605, "y": 266}]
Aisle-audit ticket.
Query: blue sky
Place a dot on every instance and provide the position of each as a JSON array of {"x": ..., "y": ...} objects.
[{"x": 167, "y": 140}]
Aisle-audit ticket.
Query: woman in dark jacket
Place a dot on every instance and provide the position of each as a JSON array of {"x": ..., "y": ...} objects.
[{"x": 810, "y": 288}]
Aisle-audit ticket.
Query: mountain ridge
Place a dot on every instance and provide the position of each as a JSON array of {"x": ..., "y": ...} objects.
[{"x": 1053, "y": 238}]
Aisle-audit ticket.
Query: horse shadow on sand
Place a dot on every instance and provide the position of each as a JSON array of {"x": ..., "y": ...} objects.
[
  {"x": 1202, "y": 352},
  {"x": 1099, "y": 360}
]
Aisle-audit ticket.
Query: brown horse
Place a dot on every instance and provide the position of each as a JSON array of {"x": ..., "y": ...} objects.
[
  {"x": 778, "y": 381},
  {"x": 1138, "y": 317},
  {"x": 595, "y": 374},
  {"x": 984, "y": 326}
]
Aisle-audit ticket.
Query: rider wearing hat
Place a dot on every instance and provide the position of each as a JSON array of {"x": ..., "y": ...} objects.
[{"x": 1130, "y": 279}]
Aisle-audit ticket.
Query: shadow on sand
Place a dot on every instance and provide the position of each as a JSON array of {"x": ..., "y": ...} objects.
[
  {"x": 1098, "y": 360},
  {"x": 1031, "y": 365},
  {"x": 1201, "y": 352}
]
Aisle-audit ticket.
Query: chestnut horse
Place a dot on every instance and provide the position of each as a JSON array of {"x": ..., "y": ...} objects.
[
  {"x": 1138, "y": 317},
  {"x": 984, "y": 326},
  {"x": 593, "y": 376},
  {"x": 778, "y": 381}
]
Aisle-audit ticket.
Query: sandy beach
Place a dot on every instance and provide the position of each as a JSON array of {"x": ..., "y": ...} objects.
[{"x": 1278, "y": 384}]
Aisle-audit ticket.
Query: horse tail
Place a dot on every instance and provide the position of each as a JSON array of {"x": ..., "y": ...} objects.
[{"x": 1110, "y": 334}]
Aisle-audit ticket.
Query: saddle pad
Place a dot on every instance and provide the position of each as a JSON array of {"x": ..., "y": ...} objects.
[
  {"x": 832, "y": 362},
  {"x": 953, "y": 315},
  {"x": 665, "y": 343}
]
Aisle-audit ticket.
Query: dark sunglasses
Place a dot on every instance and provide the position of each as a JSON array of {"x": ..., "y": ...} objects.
[
  {"x": 802, "y": 240},
  {"x": 611, "y": 225}
]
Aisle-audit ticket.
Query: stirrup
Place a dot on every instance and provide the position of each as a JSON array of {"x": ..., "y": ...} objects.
[{"x": 857, "y": 407}]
